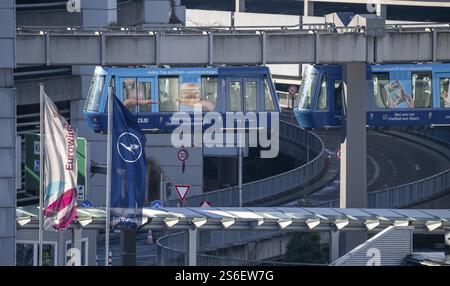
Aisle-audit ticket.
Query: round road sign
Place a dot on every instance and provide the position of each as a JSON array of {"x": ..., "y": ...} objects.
[
  {"x": 182, "y": 155},
  {"x": 337, "y": 153}
]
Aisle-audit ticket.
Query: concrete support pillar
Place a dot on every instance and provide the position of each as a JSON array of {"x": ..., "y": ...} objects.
[
  {"x": 99, "y": 13},
  {"x": 191, "y": 248},
  {"x": 308, "y": 8},
  {"x": 8, "y": 130},
  {"x": 76, "y": 243},
  {"x": 128, "y": 247},
  {"x": 239, "y": 5},
  {"x": 96, "y": 142},
  {"x": 334, "y": 246},
  {"x": 353, "y": 182},
  {"x": 381, "y": 10}
]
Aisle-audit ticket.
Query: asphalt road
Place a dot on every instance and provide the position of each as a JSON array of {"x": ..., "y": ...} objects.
[
  {"x": 145, "y": 252},
  {"x": 391, "y": 161}
]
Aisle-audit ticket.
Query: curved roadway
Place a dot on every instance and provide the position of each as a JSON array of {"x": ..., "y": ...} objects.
[{"x": 391, "y": 161}]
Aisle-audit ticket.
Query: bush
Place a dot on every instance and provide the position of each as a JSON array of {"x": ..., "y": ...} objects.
[{"x": 304, "y": 247}]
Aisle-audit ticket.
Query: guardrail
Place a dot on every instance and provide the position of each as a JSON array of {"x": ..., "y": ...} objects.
[
  {"x": 169, "y": 255},
  {"x": 404, "y": 195},
  {"x": 441, "y": 135},
  {"x": 275, "y": 185}
]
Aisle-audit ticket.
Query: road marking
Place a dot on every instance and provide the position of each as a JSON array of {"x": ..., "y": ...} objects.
[{"x": 376, "y": 174}]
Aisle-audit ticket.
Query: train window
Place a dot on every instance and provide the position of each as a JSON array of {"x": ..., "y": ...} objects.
[
  {"x": 250, "y": 95},
  {"x": 305, "y": 91},
  {"x": 144, "y": 96},
  {"x": 235, "y": 96},
  {"x": 95, "y": 93},
  {"x": 268, "y": 101},
  {"x": 379, "y": 93},
  {"x": 129, "y": 93},
  {"x": 444, "y": 84},
  {"x": 209, "y": 93},
  {"x": 421, "y": 89},
  {"x": 168, "y": 94},
  {"x": 338, "y": 89},
  {"x": 322, "y": 100}
]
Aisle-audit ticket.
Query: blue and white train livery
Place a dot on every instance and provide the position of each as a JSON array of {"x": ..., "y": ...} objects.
[
  {"x": 397, "y": 95},
  {"x": 155, "y": 94}
]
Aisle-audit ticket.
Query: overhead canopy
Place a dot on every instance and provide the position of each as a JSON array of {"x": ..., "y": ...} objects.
[{"x": 263, "y": 218}]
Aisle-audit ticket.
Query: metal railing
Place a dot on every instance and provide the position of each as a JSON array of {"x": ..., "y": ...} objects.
[
  {"x": 275, "y": 185},
  {"x": 169, "y": 255},
  {"x": 441, "y": 135},
  {"x": 404, "y": 195}
]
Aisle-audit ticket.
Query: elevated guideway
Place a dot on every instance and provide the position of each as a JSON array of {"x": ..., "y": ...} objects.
[{"x": 215, "y": 45}]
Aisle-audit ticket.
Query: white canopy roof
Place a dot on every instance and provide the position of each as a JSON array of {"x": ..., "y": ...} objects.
[{"x": 263, "y": 218}]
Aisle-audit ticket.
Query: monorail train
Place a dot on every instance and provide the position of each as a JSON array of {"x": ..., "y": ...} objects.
[
  {"x": 155, "y": 94},
  {"x": 397, "y": 95}
]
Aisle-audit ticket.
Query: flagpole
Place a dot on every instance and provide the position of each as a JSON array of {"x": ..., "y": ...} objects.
[
  {"x": 108, "y": 173},
  {"x": 41, "y": 169}
]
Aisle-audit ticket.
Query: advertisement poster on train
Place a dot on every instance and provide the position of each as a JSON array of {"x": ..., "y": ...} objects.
[
  {"x": 189, "y": 92},
  {"x": 397, "y": 96},
  {"x": 445, "y": 93}
]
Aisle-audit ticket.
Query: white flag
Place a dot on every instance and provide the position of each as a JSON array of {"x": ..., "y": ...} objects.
[{"x": 60, "y": 169}]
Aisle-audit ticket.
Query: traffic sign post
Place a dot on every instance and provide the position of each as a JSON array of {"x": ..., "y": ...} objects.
[
  {"x": 337, "y": 154},
  {"x": 182, "y": 156},
  {"x": 205, "y": 204},
  {"x": 182, "y": 191},
  {"x": 157, "y": 204},
  {"x": 86, "y": 204}
]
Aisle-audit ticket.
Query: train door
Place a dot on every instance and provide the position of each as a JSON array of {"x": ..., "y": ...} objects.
[
  {"x": 243, "y": 94},
  {"x": 139, "y": 96},
  {"x": 148, "y": 104},
  {"x": 442, "y": 88},
  {"x": 335, "y": 91},
  {"x": 322, "y": 102}
]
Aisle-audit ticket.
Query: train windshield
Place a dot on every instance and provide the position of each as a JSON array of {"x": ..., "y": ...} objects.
[
  {"x": 95, "y": 93},
  {"x": 306, "y": 90}
]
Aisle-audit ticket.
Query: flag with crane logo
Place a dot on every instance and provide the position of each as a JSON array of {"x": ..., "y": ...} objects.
[{"x": 128, "y": 177}]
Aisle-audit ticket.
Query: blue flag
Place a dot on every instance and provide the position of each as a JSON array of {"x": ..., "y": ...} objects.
[{"x": 128, "y": 175}]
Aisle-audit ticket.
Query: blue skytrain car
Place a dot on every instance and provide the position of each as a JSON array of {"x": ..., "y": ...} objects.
[
  {"x": 397, "y": 95},
  {"x": 155, "y": 94}
]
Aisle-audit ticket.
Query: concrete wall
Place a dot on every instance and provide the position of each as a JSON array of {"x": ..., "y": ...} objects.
[
  {"x": 436, "y": 202},
  {"x": 196, "y": 17},
  {"x": 8, "y": 131},
  {"x": 59, "y": 239},
  {"x": 149, "y": 13},
  {"x": 98, "y": 13},
  {"x": 207, "y": 18},
  {"x": 96, "y": 142},
  {"x": 255, "y": 250},
  {"x": 58, "y": 89},
  {"x": 159, "y": 149}
]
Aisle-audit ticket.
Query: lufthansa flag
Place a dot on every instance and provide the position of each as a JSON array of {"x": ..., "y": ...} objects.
[{"x": 128, "y": 170}]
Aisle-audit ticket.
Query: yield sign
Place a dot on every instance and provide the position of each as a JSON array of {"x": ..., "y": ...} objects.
[
  {"x": 182, "y": 191},
  {"x": 205, "y": 204}
]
